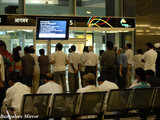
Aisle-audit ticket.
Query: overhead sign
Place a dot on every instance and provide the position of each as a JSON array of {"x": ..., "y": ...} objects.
[{"x": 94, "y": 21}]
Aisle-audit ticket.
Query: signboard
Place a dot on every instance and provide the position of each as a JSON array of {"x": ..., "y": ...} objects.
[{"x": 94, "y": 21}]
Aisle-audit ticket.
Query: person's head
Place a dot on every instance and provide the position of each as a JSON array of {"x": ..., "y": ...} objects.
[
  {"x": 48, "y": 77},
  {"x": 26, "y": 50},
  {"x": 139, "y": 51},
  {"x": 59, "y": 46},
  {"x": 13, "y": 78},
  {"x": 69, "y": 50},
  {"x": 19, "y": 48},
  {"x": 16, "y": 55},
  {"x": 31, "y": 49},
  {"x": 100, "y": 80},
  {"x": 129, "y": 46},
  {"x": 140, "y": 75},
  {"x": 149, "y": 74},
  {"x": 149, "y": 45},
  {"x": 2, "y": 45},
  {"x": 109, "y": 45},
  {"x": 90, "y": 79},
  {"x": 73, "y": 48},
  {"x": 85, "y": 49},
  {"x": 90, "y": 49},
  {"x": 101, "y": 52},
  {"x": 41, "y": 51}
]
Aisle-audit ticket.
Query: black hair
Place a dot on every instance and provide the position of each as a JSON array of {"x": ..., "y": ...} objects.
[
  {"x": 41, "y": 51},
  {"x": 31, "y": 49},
  {"x": 26, "y": 49},
  {"x": 18, "y": 48},
  {"x": 59, "y": 46},
  {"x": 141, "y": 74},
  {"x": 101, "y": 52},
  {"x": 150, "y": 72},
  {"x": 139, "y": 51},
  {"x": 73, "y": 48},
  {"x": 109, "y": 45},
  {"x": 13, "y": 76},
  {"x": 100, "y": 79},
  {"x": 150, "y": 45},
  {"x": 129, "y": 45},
  {"x": 69, "y": 50},
  {"x": 3, "y": 44},
  {"x": 16, "y": 55},
  {"x": 85, "y": 49}
]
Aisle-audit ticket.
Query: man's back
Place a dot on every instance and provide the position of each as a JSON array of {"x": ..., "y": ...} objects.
[
  {"x": 107, "y": 86},
  {"x": 44, "y": 64},
  {"x": 74, "y": 58},
  {"x": 27, "y": 65},
  {"x": 14, "y": 96},
  {"x": 92, "y": 59},
  {"x": 108, "y": 59},
  {"x": 150, "y": 59},
  {"x": 50, "y": 87},
  {"x": 60, "y": 60},
  {"x": 89, "y": 88}
]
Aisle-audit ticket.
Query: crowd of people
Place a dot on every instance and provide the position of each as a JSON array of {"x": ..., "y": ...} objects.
[{"x": 28, "y": 73}]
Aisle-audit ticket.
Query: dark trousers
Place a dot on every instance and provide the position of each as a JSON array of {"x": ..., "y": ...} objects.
[
  {"x": 122, "y": 80},
  {"x": 73, "y": 82},
  {"x": 60, "y": 78},
  {"x": 109, "y": 74}
]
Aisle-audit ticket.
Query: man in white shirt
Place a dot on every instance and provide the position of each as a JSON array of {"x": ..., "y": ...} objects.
[
  {"x": 105, "y": 85},
  {"x": 129, "y": 53},
  {"x": 50, "y": 87},
  {"x": 150, "y": 57},
  {"x": 91, "y": 62},
  {"x": 83, "y": 59},
  {"x": 14, "y": 94},
  {"x": 74, "y": 61},
  {"x": 59, "y": 60},
  {"x": 90, "y": 84},
  {"x": 138, "y": 59}
]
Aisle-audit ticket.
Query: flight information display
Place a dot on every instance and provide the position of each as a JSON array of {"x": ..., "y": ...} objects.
[{"x": 52, "y": 29}]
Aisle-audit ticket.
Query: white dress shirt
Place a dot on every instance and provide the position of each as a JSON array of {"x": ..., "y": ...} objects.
[
  {"x": 50, "y": 87},
  {"x": 2, "y": 69},
  {"x": 91, "y": 59},
  {"x": 129, "y": 54},
  {"x": 60, "y": 59},
  {"x": 150, "y": 59},
  {"x": 74, "y": 58},
  {"x": 14, "y": 96},
  {"x": 83, "y": 59},
  {"x": 107, "y": 86},
  {"x": 138, "y": 61},
  {"x": 89, "y": 88}
]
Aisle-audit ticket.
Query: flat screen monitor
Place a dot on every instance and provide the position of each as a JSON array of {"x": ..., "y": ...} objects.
[{"x": 52, "y": 29}]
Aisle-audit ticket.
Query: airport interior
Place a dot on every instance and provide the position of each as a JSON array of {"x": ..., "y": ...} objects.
[{"x": 79, "y": 85}]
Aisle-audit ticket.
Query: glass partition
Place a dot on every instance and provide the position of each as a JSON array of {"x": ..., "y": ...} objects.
[{"x": 14, "y": 38}]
